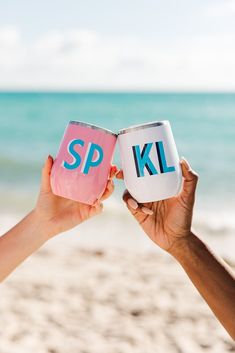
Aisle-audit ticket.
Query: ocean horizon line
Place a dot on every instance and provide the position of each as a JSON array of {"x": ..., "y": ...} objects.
[{"x": 118, "y": 92}]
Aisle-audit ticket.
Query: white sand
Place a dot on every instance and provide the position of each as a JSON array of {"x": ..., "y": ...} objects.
[{"x": 108, "y": 301}]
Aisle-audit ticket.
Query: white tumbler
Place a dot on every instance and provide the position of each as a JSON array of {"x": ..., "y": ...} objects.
[{"x": 150, "y": 161}]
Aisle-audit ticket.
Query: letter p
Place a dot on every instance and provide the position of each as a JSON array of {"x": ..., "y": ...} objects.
[{"x": 89, "y": 161}]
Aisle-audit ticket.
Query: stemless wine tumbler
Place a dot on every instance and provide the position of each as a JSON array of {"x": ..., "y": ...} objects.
[
  {"x": 81, "y": 168},
  {"x": 150, "y": 161}
]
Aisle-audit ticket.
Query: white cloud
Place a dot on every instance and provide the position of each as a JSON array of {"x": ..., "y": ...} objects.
[
  {"x": 9, "y": 36},
  {"x": 76, "y": 59},
  {"x": 10, "y": 47},
  {"x": 223, "y": 8}
]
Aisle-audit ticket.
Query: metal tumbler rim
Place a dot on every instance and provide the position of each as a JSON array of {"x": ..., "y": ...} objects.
[
  {"x": 91, "y": 126},
  {"x": 142, "y": 126}
]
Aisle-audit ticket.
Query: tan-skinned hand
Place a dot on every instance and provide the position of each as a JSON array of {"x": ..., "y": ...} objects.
[{"x": 169, "y": 221}]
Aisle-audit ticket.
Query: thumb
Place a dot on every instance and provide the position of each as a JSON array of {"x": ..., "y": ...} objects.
[
  {"x": 189, "y": 182},
  {"x": 45, "y": 176},
  {"x": 131, "y": 203}
]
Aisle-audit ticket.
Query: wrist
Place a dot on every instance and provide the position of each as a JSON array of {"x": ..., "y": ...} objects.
[
  {"x": 181, "y": 247},
  {"x": 43, "y": 226}
]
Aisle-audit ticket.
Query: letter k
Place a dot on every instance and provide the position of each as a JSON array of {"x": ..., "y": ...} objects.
[{"x": 142, "y": 160}]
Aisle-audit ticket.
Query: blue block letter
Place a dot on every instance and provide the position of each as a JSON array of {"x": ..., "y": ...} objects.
[
  {"x": 162, "y": 159},
  {"x": 142, "y": 160},
  {"x": 77, "y": 159},
  {"x": 88, "y": 161}
]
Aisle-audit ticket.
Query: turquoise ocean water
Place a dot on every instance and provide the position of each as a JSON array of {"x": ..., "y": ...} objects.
[{"x": 32, "y": 124}]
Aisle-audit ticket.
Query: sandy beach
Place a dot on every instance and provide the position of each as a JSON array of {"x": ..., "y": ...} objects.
[
  {"x": 105, "y": 287},
  {"x": 86, "y": 300}
]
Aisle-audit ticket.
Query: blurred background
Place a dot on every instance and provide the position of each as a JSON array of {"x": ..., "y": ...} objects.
[{"x": 115, "y": 64}]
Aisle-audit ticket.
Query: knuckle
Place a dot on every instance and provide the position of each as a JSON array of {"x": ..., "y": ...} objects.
[{"x": 195, "y": 175}]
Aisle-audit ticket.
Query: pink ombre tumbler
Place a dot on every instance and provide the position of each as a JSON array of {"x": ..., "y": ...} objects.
[{"x": 81, "y": 168}]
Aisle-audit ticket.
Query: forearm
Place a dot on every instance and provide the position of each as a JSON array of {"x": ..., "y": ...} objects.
[
  {"x": 20, "y": 242},
  {"x": 211, "y": 276}
]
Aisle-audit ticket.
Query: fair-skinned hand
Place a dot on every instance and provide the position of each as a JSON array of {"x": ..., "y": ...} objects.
[
  {"x": 51, "y": 215},
  {"x": 168, "y": 221},
  {"x": 58, "y": 214}
]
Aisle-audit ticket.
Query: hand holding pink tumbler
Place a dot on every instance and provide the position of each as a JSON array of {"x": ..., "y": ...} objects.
[{"x": 81, "y": 168}]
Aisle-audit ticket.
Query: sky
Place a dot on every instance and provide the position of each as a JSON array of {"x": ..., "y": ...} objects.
[{"x": 125, "y": 45}]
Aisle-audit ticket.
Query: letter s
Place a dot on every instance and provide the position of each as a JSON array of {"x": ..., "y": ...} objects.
[{"x": 76, "y": 158}]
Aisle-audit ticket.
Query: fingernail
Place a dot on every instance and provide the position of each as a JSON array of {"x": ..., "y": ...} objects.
[
  {"x": 113, "y": 172},
  {"x": 147, "y": 211},
  {"x": 114, "y": 169},
  {"x": 132, "y": 203}
]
